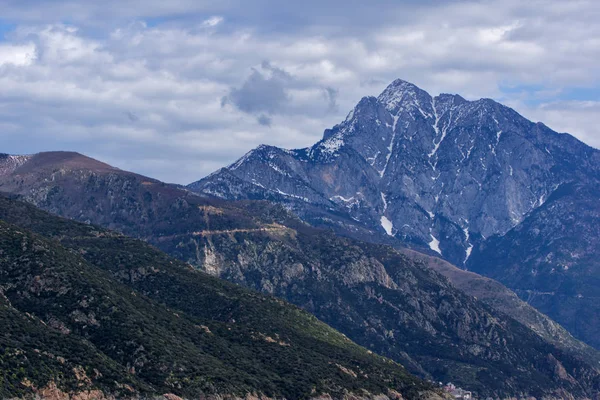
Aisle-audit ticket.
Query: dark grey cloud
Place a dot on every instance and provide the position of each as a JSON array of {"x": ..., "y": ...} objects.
[
  {"x": 330, "y": 94},
  {"x": 265, "y": 91},
  {"x": 131, "y": 116},
  {"x": 263, "y": 94},
  {"x": 264, "y": 120}
]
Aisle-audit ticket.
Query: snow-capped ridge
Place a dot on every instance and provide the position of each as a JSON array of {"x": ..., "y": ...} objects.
[
  {"x": 263, "y": 152},
  {"x": 402, "y": 95},
  {"x": 443, "y": 160},
  {"x": 334, "y": 139},
  {"x": 241, "y": 161}
]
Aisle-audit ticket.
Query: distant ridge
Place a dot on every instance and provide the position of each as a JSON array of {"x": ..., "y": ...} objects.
[{"x": 63, "y": 159}]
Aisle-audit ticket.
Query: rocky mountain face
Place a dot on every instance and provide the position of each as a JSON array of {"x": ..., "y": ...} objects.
[
  {"x": 551, "y": 258},
  {"x": 9, "y": 163},
  {"x": 379, "y": 298},
  {"x": 87, "y": 313},
  {"x": 446, "y": 176},
  {"x": 502, "y": 299}
]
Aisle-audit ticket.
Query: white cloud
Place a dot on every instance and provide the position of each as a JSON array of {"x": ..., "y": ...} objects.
[
  {"x": 579, "y": 118},
  {"x": 18, "y": 55},
  {"x": 212, "y": 21},
  {"x": 147, "y": 96}
]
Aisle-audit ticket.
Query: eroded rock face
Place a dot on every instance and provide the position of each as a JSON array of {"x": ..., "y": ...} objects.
[
  {"x": 52, "y": 392},
  {"x": 450, "y": 177}
]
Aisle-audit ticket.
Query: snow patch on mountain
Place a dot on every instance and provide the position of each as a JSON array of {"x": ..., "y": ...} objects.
[
  {"x": 384, "y": 199},
  {"x": 278, "y": 170},
  {"x": 344, "y": 199},
  {"x": 390, "y": 147},
  {"x": 305, "y": 199},
  {"x": 435, "y": 244},
  {"x": 387, "y": 225},
  {"x": 332, "y": 145},
  {"x": 436, "y": 128},
  {"x": 469, "y": 248}
]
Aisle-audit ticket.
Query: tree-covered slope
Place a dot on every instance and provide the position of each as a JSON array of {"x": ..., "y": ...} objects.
[
  {"x": 376, "y": 296},
  {"x": 37, "y": 359},
  {"x": 118, "y": 327}
]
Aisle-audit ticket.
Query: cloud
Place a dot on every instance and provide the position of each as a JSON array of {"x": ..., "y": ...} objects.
[
  {"x": 264, "y": 120},
  {"x": 17, "y": 55},
  {"x": 331, "y": 95},
  {"x": 178, "y": 89},
  {"x": 131, "y": 116},
  {"x": 579, "y": 117},
  {"x": 212, "y": 21},
  {"x": 264, "y": 91},
  {"x": 270, "y": 91}
]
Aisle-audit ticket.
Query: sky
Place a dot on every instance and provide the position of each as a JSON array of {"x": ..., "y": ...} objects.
[{"x": 178, "y": 89}]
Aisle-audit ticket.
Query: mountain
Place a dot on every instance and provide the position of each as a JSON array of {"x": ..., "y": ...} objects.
[
  {"x": 88, "y": 312},
  {"x": 504, "y": 300},
  {"x": 379, "y": 298},
  {"x": 551, "y": 258},
  {"x": 450, "y": 177}
]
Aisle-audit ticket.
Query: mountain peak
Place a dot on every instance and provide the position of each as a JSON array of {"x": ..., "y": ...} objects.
[
  {"x": 401, "y": 95},
  {"x": 66, "y": 159},
  {"x": 433, "y": 153},
  {"x": 451, "y": 98},
  {"x": 51, "y": 159},
  {"x": 401, "y": 84}
]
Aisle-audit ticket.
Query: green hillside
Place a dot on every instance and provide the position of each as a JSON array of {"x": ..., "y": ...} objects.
[{"x": 70, "y": 323}]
